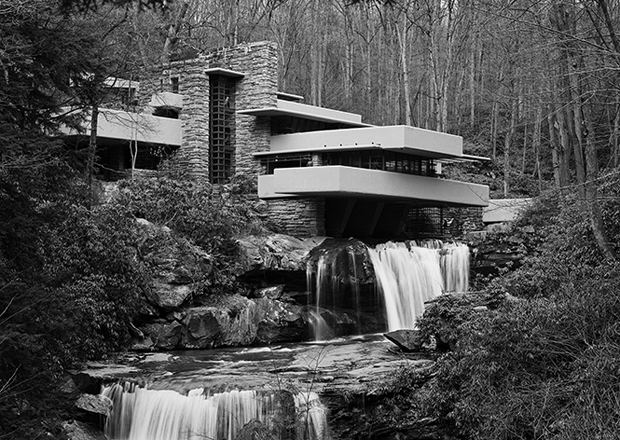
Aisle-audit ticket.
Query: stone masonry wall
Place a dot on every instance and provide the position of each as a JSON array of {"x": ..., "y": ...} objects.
[
  {"x": 259, "y": 63},
  {"x": 194, "y": 86},
  {"x": 257, "y": 89},
  {"x": 464, "y": 220},
  {"x": 301, "y": 218}
]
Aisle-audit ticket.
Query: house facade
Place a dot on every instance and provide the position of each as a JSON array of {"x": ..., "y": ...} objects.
[{"x": 320, "y": 171}]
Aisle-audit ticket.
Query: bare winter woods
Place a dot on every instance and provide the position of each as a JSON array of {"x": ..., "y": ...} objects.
[{"x": 532, "y": 84}]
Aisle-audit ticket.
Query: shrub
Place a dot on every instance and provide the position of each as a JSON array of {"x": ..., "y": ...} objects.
[{"x": 210, "y": 217}]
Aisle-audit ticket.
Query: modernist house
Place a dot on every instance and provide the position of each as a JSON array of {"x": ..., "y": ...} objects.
[{"x": 321, "y": 171}]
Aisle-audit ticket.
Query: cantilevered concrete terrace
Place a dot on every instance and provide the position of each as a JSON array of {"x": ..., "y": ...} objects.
[
  {"x": 140, "y": 127},
  {"x": 382, "y": 163}
]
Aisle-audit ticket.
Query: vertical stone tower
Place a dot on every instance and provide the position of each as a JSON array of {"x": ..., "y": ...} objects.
[{"x": 217, "y": 143}]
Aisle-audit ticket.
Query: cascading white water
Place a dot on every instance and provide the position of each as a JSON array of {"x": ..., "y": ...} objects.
[
  {"x": 143, "y": 414},
  {"x": 334, "y": 281},
  {"x": 409, "y": 275},
  {"x": 455, "y": 267}
]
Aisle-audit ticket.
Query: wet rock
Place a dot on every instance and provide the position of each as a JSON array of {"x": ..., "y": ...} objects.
[
  {"x": 406, "y": 340},
  {"x": 176, "y": 265},
  {"x": 86, "y": 383},
  {"x": 272, "y": 292},
  {"x": 281, "y": 322},
  {"x": 277, "y": 252},
  {"x": 143, "y": 344},
  {"x": 75, "y": 430},
  {"x": 96, "y": 404},
  {"x": 164, "y": 335},
  {"x": 203, "y": 327}
]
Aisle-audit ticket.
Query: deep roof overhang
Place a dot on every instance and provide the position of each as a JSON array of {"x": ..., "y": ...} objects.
[
  {"x": 304, "y": 111},
  {"x": 399, "y": 138},
  {"x": 224, "y": 72}
]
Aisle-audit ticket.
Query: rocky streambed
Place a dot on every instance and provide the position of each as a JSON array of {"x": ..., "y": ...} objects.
[{"x": 354, "y": 378}]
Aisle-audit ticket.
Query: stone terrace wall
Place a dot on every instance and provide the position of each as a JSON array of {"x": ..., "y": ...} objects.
[
  {"x": 464, "y": 220},
  {"x": 299, "y": 217}
]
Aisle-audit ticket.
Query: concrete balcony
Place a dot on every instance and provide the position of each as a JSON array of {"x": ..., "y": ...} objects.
[
  {"x": 341, "y": 181},
  {"x": 122, "y": 125}
]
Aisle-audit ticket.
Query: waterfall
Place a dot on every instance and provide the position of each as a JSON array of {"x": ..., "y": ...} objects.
[
  {"x": 333, "y": 277},
  {"x": 407, "y": 275},
  {"x": 144, "y": 414},
  {"x": 410, "y": 275}
]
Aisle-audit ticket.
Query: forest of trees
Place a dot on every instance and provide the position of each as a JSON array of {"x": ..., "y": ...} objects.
[{"x": 531, "y": 84}]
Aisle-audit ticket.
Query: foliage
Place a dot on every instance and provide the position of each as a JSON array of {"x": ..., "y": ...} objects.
[
  {"x": 443, "y": 319},
  {"x": 519, "y": 372},
  {"x": 542, "y": 364},
  {"x": 210, "y": 217}
]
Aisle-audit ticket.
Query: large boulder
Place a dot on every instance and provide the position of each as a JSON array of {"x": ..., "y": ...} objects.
[
  {"x": 406, "y": 340},
  {"x": 165, "y": 335},
  {"x": 176, "y": 265},
  {"x": 75, "y": 430},
  {"x": 203, "y": 327},
  {"x": 95, "y": 404},
  {"x": 281, "y": 322},
  {"x": 277, "y": 252},
  {"x": 227, "y": 321}
]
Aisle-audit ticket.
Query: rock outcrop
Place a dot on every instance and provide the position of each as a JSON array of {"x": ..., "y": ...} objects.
[
  {"x": 179, "y": 314},
  {"x": 275, "y": 253}
]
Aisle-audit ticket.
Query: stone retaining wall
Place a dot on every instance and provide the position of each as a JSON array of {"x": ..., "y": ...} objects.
[{"x": 303, "y": 217}]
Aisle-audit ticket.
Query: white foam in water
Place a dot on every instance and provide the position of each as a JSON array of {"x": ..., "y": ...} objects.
[{"x": 143, "y": 414}]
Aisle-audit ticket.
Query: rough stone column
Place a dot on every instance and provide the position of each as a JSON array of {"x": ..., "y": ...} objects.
[{"x": 194, "y": 86}]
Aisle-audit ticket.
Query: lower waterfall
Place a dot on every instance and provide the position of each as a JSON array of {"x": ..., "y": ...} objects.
[{"x": 144, "y": 414}]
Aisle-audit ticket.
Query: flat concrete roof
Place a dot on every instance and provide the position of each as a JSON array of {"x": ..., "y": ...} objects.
[
  {"x": 396, "y": 138},
  {"x": 305, "y": 111}
]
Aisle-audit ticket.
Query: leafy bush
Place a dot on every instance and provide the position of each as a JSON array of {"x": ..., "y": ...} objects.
[
  {"x": 527, "y": 369},
  {"x": 97, "y": 280}
]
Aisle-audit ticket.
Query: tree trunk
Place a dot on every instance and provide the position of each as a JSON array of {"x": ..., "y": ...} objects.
[
  {"x": 472, "y": 89},
  {"x": 92, "y": 148},
  {"x": 591, "y": 184},
  {"x": 508, "y": 144},
  {"x": 565, "y": 147},
  {"x": 536, "y": 138},
  {"x": 614, "y": 137},
  {"x": 555, "y": 148},
  {"x": 172, "y": 35},
  {"x": 402, "y": 40}
]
